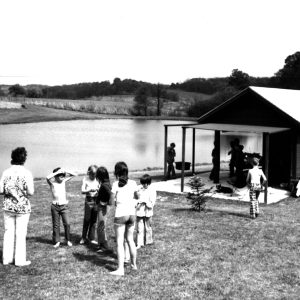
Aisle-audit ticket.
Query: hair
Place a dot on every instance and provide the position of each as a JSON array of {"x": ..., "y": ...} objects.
[
  {"x": 236, "y": 141},
  {"x": 121, "y": 172},
  {"x": 172, "y": 145},
  {"x": 255, "y": 161},
  {"x": 18, "y": 156},
  {"x": 145, "y": 179},
  {"x": 92, "y": 169},
  {"x": 56, "y": 169},
  {"x": 102, "y": 174}
]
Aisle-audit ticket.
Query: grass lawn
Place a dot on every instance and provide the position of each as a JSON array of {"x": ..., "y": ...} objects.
[{"x": 220, "y": 254}]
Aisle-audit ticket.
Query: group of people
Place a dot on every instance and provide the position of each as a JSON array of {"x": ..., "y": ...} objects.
[
  {"x": 255, "y": 179},
  {"x": 237, "y": 161},
  {"x": 133, "y": 209}
]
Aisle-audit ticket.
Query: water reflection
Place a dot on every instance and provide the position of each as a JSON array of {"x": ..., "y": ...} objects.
[{"x": 78, "y": 144}]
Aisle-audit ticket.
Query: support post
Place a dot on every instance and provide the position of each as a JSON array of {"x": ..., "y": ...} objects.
[
  {"x": 165, "y": 152},
  {"x": 266, "y": 148},
  {"x": 193, "y": 153},
  {"x": 216, "y": 164},
  {"x": 183, "y": 157}
]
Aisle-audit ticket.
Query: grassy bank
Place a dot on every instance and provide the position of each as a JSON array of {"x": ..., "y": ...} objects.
[
  {"x": 35, "y": 113},
  {"x": 220, "y": 254},
  {"x": 109, "y": 105}
]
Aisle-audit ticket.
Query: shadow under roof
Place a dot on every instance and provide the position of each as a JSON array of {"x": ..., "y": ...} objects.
[{"x": 236, "y": 128}]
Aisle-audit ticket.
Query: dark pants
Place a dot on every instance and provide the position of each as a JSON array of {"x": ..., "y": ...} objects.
[
  {"x": 58, "y": 211},
  {"x": 89, "y": 221},
  {"x": 101, "y": 228},
  {"x": 170, "y": 170}
]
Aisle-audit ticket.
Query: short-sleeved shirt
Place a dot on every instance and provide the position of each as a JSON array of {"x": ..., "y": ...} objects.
[
  {"x": 59, "y": 193},
  {"x": 87, "y": 183},
  {"x": 104, "y": 193},
  {"x": 125, "y": 202},
  {"x": 148, "y": 199},
  {"x": 16, "y": 184}
]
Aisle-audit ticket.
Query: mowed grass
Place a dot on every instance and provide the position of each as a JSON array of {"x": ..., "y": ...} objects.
[{"x": 220, "y": 254}]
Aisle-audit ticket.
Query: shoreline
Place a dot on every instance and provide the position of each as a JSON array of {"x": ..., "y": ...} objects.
[
  {"x": 157, "y": 174},
  {"x": 38, "y": 114}
]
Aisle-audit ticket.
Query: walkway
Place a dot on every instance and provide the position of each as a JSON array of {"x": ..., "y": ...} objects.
[{"x": 174, "y": 186}]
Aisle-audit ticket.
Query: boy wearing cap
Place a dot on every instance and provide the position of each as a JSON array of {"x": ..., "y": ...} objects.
[
  {"x": 59, "y": 208},
  {"x": 255, "y": 186}
]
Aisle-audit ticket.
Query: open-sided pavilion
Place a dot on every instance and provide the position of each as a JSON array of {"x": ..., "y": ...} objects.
[{"x": 273, "y": 113}]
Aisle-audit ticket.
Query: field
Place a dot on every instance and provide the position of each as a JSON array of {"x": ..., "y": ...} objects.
[
  {"x": 117, "y": 104},
  {"x": 220, "y": 254}
]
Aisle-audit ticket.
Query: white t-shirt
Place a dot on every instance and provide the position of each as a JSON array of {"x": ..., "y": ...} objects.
[
  {"x": 87, "y": 183},
  {"x": 59, "y": 193},
  {"x": 124, "y": 196}
]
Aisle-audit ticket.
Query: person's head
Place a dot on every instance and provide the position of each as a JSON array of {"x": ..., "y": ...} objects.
[
  {"x": 172, "y": 145},
  {"x": 91, "y": 172},
  {"x": 145, "y": 180},
  {"x": 18, "y": 156},
  {"x": 121, "y": 173},
  {"x": 102, "y": 174},
  {"x": 59, "y": 177},
  {"x": 236, "y": 141},
  {"x": 255, "y": 161}
]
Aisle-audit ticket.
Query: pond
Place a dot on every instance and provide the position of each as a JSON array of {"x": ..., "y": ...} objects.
[{"x": 77, "y": 144}]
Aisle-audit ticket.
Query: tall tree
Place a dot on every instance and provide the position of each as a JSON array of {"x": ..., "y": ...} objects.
[
  {"x": 239, "y": 79},
  {"x": 159, "y": 99},
  {"x": 141, "y": 100},
  {"x": 289, "y": 76},
  {"x": 16, "y": 90}
]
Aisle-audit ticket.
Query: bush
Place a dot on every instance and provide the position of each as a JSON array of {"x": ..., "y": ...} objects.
[{"x": 199, "y": 195}]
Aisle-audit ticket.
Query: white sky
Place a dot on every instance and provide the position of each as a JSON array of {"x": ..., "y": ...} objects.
[{"x": 71, "y": 41}]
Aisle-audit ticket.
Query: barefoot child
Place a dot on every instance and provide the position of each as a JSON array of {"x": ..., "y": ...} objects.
[
  {"x": 90, "y": 188},
  {"x": 59, "y": 208},
  {"x": 123, "y": 191},
  {"x": 144, "y": 211},
  {"x": 254, "y": 183}
]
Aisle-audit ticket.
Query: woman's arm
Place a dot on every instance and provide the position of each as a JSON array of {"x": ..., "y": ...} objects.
[
  {"x": 1, "y": 185},
  {"x": 30, "y": 184}
]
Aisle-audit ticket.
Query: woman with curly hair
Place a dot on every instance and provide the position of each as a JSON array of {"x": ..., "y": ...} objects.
[{"x": 16, "y": 184}]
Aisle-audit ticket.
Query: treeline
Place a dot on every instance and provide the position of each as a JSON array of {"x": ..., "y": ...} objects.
[
  {"x": 224, "y": 88},
  {"x": 220, "y": 89},
  {"x": 93, "y": 89}
]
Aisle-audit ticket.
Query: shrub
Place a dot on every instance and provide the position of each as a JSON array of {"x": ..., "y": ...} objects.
[{"x": 199, "y": 195}]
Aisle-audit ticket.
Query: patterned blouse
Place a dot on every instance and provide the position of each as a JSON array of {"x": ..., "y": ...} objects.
[{"x": 16, "y": 184}]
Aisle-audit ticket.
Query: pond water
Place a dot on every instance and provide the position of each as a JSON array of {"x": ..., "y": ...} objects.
[{"x": 77, "y": 144}]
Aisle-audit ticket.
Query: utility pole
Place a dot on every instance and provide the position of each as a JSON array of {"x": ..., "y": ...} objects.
[{"x": 158, "y": 100}]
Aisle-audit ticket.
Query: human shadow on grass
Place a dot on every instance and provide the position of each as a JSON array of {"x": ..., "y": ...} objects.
[
  {"x": 212, "y": 210},
  {"x": 228, "y": 212},
  {"x": 106, "y": 260},
  {"x": 75, "y": 238},
  {"x": 40, "y": 239}
]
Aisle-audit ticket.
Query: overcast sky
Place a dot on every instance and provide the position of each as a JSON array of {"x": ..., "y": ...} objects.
[{"x": 71, "y": 41}]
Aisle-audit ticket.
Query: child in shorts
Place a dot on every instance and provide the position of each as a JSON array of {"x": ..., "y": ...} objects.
[{"x": 144, "y": 211}]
